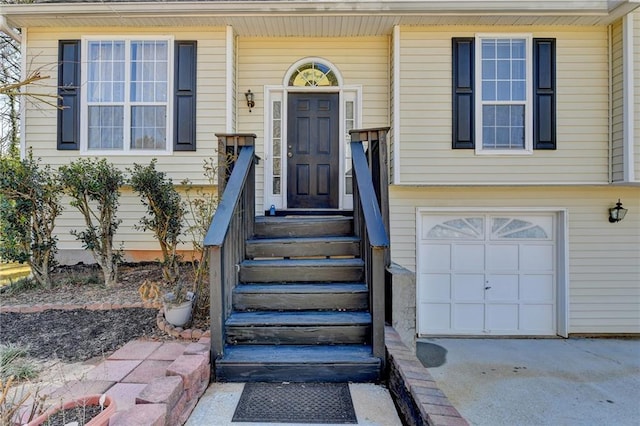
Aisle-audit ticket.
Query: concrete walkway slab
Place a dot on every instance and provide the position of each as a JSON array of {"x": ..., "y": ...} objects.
[
  {"x": 538, "y": 381},
  {"x": 372, "y": 403}
]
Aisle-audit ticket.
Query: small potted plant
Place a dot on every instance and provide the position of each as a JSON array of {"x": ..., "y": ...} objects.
[{"x": 178, "y": 304}]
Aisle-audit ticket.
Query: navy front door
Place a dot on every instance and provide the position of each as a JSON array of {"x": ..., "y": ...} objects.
[{"x": 313, "y": 150}]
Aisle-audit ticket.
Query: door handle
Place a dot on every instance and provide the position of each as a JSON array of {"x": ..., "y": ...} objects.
[
  {"x": 487, "y": 288},
  {"x": 289, "y": 154}
]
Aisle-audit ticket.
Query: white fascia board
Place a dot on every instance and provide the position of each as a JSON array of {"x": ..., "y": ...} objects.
[
  {"x": 8, "y": 30},
  {"x": 323, "y": 7}
]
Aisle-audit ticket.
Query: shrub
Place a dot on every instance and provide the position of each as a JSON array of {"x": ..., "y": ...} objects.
[
  {"x": 164, "y": 217},
  {"x": 94, "y": 187},
  {"x": 30, "y": 202},
  {"x": 201, "y": 206}
]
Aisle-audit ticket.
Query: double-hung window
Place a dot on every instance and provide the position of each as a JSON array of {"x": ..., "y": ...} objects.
[
  {"x": 504, "y": 101},
  {"x": 504, "y": 93},
  {"x": 126, "y": 103}
]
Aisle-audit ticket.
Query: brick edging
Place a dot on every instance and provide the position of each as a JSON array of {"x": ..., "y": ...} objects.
[
  {"x": 415, "y": 392},
  {"x": 179, "y": 332},
  {"x": 27, "y": 309}
]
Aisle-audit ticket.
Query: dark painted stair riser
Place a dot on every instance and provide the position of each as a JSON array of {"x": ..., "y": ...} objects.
[
  {"x": 300, "y": 312},
  {"x": 301, "y": 297}
]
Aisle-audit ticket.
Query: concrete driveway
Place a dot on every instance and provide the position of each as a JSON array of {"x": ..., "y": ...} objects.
[{"x": 538, "y": 381}]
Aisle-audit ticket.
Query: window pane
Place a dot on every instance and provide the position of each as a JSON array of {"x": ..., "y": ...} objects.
[
  {"x": 504, "y": 91},
  {"x": 518, "y": 50},
  {"x": 503, "y": 49},
  {"x": 518, "y": 91},
  {"x": 504, "y": 69},
  {"x": 148, "y": 127},
  {"x": 488, "y": 69},
  {"x": 106, "y": 124},
  {"x": 507, "y": 130},
  {"x": 276, "y": 185},
  {"x": 488, "y": 90},
  {"x": 489, "y": 48},
  {"x": 518, "y": 69},
  {"x": 349, "y": 110}
]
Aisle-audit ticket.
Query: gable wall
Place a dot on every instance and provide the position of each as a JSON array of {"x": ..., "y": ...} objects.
[{"x": 582, "y": 112}]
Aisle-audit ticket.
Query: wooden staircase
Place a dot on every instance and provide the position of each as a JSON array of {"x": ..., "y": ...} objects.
[
  {"x": 300, "y": 311},
  {"x": 299, "y": 298}
]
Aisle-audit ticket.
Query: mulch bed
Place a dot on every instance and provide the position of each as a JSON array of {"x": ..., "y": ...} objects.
[{"x": 79, "y": 334}]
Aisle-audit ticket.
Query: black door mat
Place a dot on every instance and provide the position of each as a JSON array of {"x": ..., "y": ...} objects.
[{"x": 320, "y": 403}]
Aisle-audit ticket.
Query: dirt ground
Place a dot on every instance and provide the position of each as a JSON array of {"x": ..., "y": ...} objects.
[{"x": 80, "y": 335}]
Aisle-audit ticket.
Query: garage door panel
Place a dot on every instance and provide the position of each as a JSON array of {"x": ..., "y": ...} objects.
[
  {"x": 503, "y": 287},
  {"x": 435, "y": 317},
  {"x": 537, "y": 287},
  {"x": 435, "y": 287},
  {"x": 501, "y": 318},
  {"x": 502, "y": 257},
  {"x": 537, "y": 318},
  {"x": 435, "y": 257},
  {"x": 468, "y": 287},
  {"x": 468, "y": 257},
  {"x": 467, "y": 317},
  {"x": 487, "y": 273},
  {"x": 536, "y": 257}
]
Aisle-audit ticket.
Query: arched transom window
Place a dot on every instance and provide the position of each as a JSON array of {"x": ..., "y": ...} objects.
[{"x": 313, "y": 74}]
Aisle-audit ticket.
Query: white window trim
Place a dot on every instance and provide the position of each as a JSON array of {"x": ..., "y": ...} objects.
[
  {"x": 528, "y": 134},
  {"x": 84, "y": 110}
]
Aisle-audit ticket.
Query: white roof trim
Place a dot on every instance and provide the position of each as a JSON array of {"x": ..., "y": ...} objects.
[{"x": 75, "y": 13}]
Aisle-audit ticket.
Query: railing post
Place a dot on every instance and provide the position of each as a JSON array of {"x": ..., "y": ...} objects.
[
  {"x": 228, "y": 147},
  {"x": 378, "y": 157}
]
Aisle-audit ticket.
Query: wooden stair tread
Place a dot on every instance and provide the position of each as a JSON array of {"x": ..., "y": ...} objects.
[
  {"x": 302, "y": 263},
  {"x": 294, "y": 240},
  {"x": 307, "y": 288},
  {"x": 283, "y": 354},
  {"x": 295, "y": 319}
]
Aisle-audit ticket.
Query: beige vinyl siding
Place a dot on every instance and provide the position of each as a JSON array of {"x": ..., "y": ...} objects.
[
  {"x": 138, "y": 245},
  {"x": 617, "y": 78},
  {"x": 41, "y": 131},
  {"x": 604, "y": 258},
  {"x": 636, "y": 102},
  {"x": 265, "y": 61},
  {"x": 582, "y": 112},
  {"x": 40, "y": 135}
]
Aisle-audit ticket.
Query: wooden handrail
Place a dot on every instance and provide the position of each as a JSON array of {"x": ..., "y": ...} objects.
[
  {"x": 367, "y": 197},
  {"x": 230, "y": 198},
  {"x": 369, "y": 225},
  {"x": 232, "y": 225}
]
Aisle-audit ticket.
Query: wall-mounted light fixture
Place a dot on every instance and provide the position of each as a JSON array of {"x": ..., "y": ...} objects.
[
  {"x": 617, "y": 213},
  {"x": 250, "y": 102}
]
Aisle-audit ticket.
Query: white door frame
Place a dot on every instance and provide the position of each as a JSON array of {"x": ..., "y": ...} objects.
[
  {"x": 272, "y": 94},
  {"x": 562, "y": 253}
]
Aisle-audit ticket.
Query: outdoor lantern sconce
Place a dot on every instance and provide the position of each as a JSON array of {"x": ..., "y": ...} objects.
[
  {"x": 617, "y": 213},
  {"x": 250, "y": 102}
]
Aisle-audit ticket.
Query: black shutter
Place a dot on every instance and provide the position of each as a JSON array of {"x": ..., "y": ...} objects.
[
  {"x": 69, "y": 94},
  {"x": 544, "y": 93},
  {"x": 184, "y": 123},
  {"x": 463, "y": 98}
]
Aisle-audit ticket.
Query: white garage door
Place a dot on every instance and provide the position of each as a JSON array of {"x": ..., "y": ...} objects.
[{"x": 486, "y": 274}]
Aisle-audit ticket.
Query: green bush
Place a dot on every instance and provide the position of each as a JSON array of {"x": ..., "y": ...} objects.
[
  {"x": 30, "y": 203},
  {"x": 94, "y": 187},
  {"x": 164, "y": 217}
]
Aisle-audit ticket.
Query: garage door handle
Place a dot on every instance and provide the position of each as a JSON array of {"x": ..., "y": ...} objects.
[{"x": 487, "y": 288}]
